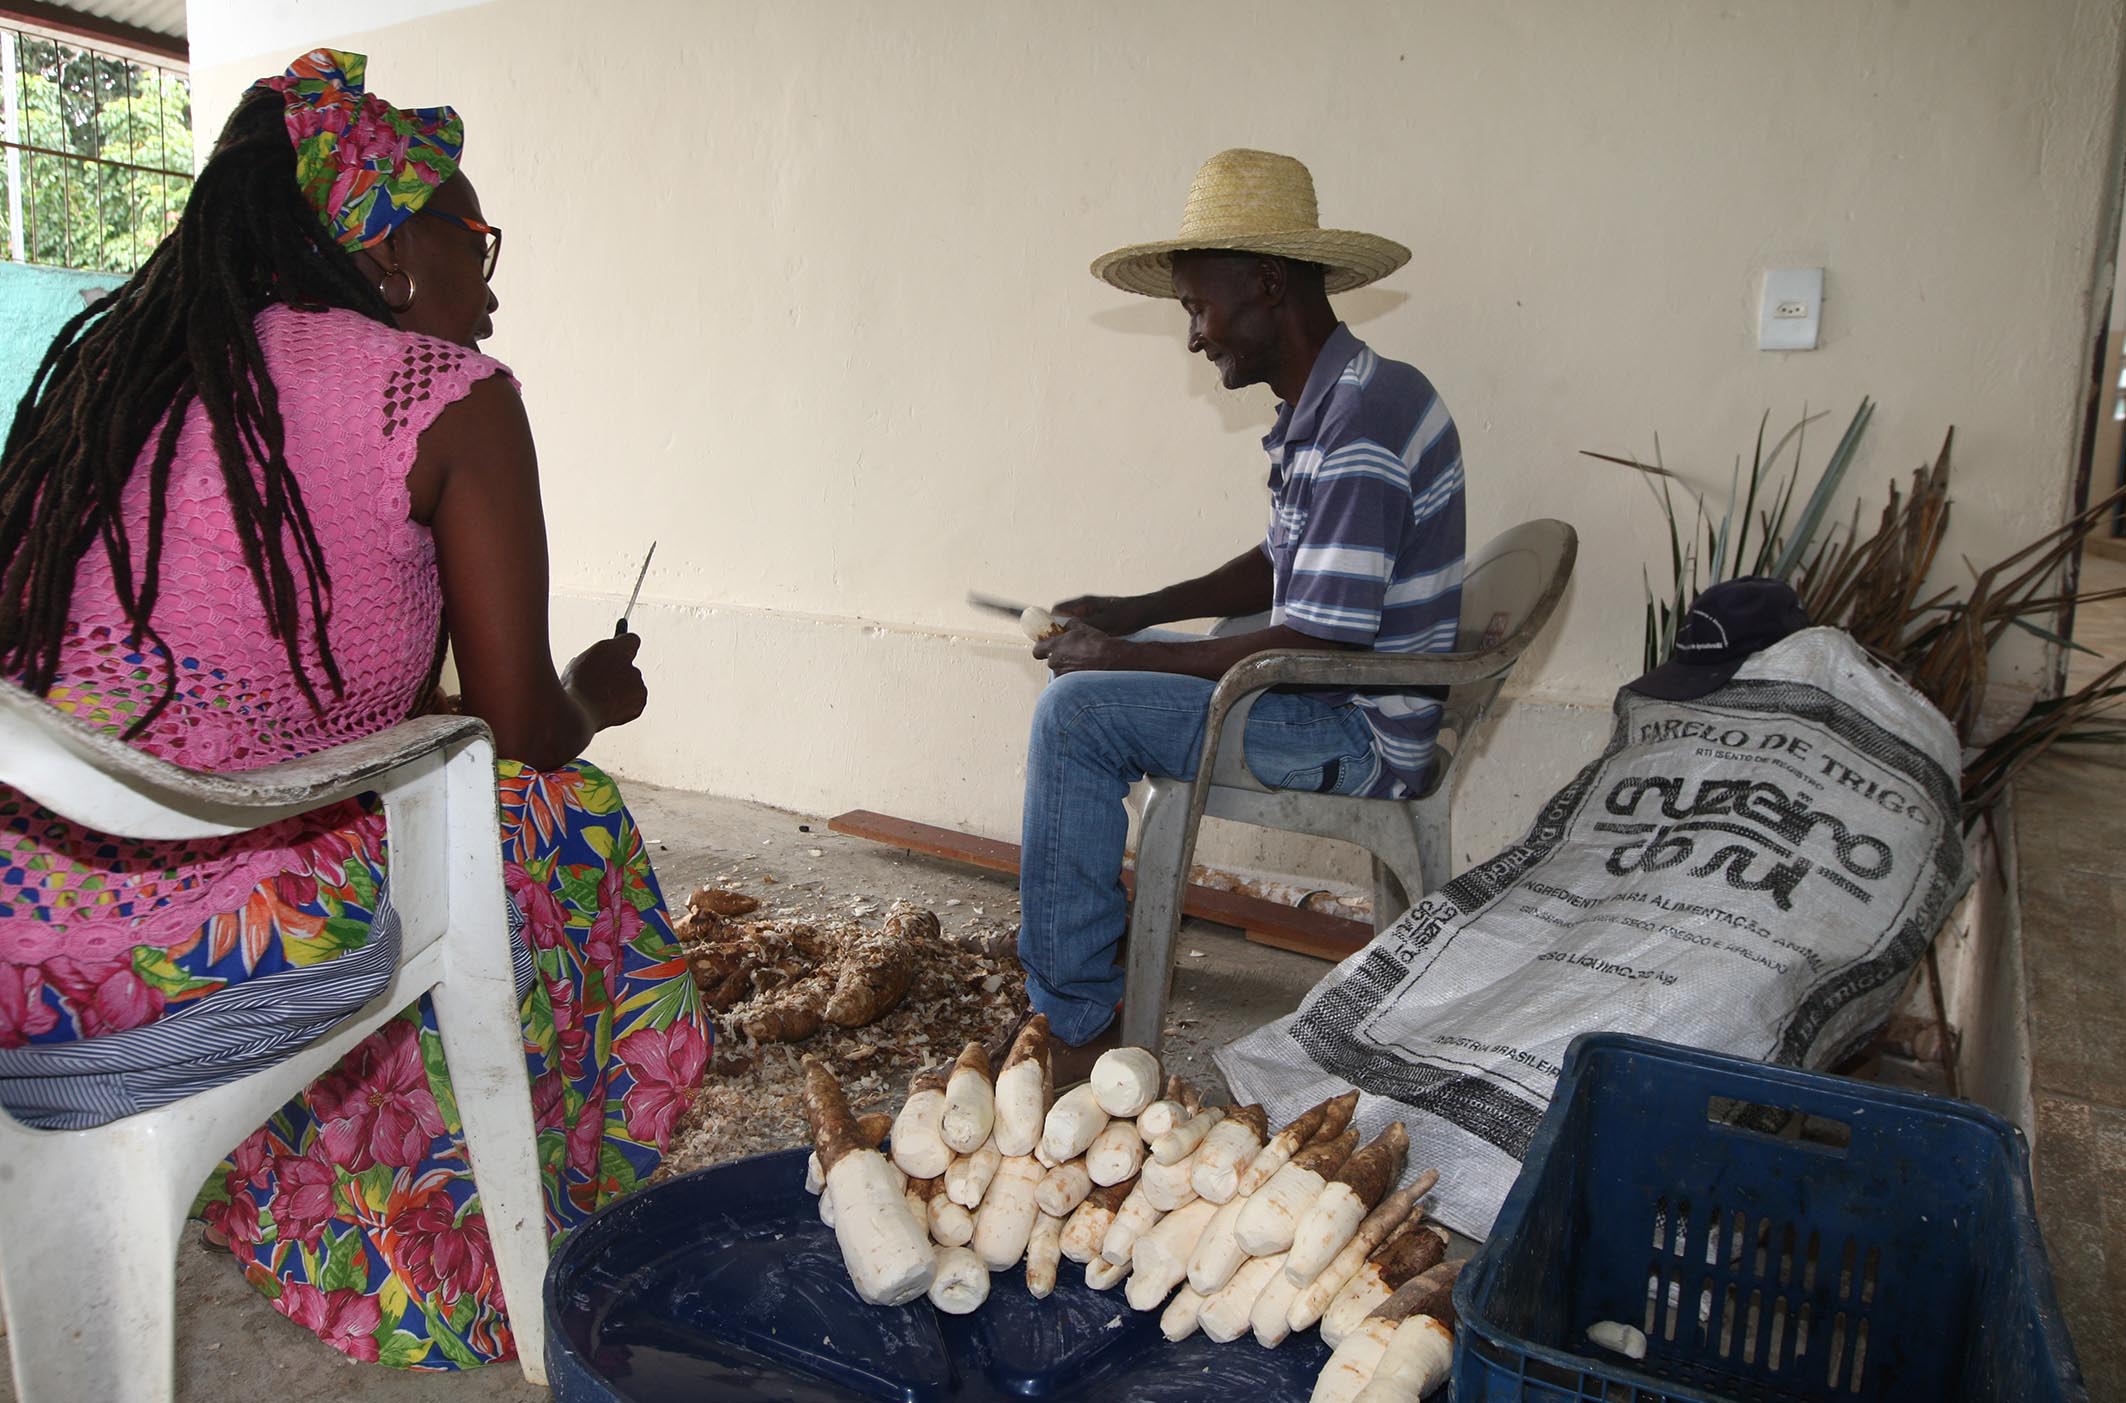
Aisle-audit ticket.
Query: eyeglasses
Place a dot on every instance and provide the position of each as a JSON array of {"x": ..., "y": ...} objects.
[{"x": 491, "y": 234}]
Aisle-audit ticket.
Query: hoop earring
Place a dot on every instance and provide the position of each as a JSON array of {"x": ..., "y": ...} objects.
[{"x": 382, "y": 290}]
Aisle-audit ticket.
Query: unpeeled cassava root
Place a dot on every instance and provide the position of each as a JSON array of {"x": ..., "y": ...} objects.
[{"x": 877, "y": 970}]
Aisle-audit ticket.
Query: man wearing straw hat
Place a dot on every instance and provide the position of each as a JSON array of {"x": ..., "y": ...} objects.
[{"x": 1363, "y": 550}]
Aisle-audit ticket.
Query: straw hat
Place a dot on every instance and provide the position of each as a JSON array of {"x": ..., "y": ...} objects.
[{"x": 1254, "y": 202}]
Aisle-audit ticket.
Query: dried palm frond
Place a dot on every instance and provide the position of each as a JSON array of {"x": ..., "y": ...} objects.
[{"x": 1877, "y": 589}]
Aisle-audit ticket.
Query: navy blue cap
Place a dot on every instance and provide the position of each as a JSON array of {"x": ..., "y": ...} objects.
[{"x": 1725, "y": 625}]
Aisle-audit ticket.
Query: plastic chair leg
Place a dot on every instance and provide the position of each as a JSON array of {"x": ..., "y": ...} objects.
[
  {"x": 1390, "y": 899},
  {"x": 91, "y": 1292},
  {"x": 1434, "y": 816},
  {"x": 476, "y": 1014},
  {"x": 483, "y": 1048},
  {"x": 1155, "y": 914}
]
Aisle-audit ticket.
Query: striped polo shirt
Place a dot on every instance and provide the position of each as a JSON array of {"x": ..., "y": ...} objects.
[{"x": 1366, "y": 533}]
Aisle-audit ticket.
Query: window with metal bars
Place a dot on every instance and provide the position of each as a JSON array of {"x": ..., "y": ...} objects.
[{"x": 95, "y": 153}]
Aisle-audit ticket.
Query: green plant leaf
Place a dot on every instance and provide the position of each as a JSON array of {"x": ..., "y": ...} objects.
[
  {"x": 400, "y": 1349},
  {"x": 1812, "y": 512},
  {"x": 2050, "y": 637}
]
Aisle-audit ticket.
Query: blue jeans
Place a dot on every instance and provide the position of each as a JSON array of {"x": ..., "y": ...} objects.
[{"x": 1094, "y": 735}]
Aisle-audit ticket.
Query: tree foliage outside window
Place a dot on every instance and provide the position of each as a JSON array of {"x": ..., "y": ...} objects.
[{"x": 95, "y": 154}]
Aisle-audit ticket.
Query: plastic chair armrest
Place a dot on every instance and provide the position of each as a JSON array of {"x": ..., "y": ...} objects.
[
  {"x": 96, "y": 778},
  {"x": 1311, "y": 667}
]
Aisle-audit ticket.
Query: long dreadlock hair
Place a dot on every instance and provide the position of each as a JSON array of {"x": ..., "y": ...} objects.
[{"x": 131, "y": 366}]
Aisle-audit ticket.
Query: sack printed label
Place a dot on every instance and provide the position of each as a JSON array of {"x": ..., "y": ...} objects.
[{"x": 1754, "y": 872}]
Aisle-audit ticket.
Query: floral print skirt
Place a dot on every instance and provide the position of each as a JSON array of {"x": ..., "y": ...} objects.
[{"x": 353, "y": 1209}]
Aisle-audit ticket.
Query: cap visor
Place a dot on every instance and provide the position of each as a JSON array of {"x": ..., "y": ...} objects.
[{"x": 1674, "y": 681}]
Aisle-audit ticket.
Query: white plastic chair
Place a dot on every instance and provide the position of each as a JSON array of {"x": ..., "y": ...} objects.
[
  {"x": 90, "y": 1219},
  {"x": 1509, "y": 589}
]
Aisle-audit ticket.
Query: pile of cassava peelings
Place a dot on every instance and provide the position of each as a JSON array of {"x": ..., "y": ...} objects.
[{"x": 876, "y": 1001}]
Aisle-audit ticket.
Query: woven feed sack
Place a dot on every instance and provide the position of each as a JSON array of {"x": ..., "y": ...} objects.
[{"x": 1754, "y": 872}]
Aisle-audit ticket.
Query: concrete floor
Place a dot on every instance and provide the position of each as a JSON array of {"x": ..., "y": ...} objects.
[
  {"x": 231, "y": 1343},
  {"x": 2070, "y": 830}
]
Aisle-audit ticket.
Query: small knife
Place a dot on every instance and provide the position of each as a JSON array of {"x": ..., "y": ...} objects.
[
  {"x": 995, "y": 605},
  {"x": 621, "y": 627}
]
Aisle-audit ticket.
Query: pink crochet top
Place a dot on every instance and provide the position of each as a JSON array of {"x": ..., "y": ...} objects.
[{"x": 355, "y": 397}]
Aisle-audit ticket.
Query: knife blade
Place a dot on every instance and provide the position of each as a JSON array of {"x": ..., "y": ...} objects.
[
  {"x": 640, "y": 575},
  {"x": 1010, "y": 610}
]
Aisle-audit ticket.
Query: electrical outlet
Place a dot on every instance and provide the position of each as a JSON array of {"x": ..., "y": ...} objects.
[{"x": 1790, "y": 311}]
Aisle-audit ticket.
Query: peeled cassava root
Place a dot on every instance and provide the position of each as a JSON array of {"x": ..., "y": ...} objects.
[
  {"x": 970, "y": 1106},
  {"x": 1333, "y": 1218},
  {"x": 1402, "y": 1257},
  {"x": 1274, "y": 1210},
  {"x": 1085, "y": 1231},
  {"x": 1230, "y": 1148},
  {"x": 1199, "y": 1213},
  {"x": 917, "y": 1146},
  {"x": 1022, "y": 1090},
  {"x": 1044, "y": 1251},
  {"x": 1393, "y": 1212},
  {"x": 1126, "y": 1079},
  {"x": 1400, "y": 1352},
  {"x": 1117, "y": 1153},
  {"x": 888, "y": 1257},
  {"x": 1037, "y": 623},
  {"x": 1005, "y": 1222},
  {"x": 962, "y": 1282}
]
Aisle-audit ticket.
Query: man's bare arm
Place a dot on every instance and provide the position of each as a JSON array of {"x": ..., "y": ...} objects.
[
  {"x": 1241, "y": 586},
  {"x": 1082, "y": 648}
]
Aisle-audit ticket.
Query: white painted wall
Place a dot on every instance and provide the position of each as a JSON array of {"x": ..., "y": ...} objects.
[{"x": 800, "y": 290}]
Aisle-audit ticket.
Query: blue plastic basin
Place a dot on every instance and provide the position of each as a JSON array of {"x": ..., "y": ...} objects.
[{"x": 724, "y": 1284}]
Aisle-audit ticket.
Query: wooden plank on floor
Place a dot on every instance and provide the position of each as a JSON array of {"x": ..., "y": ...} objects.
[{"x": 1313, "y": 933}]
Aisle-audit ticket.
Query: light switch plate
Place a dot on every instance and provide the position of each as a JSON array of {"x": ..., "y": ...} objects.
[{"x": 1790, "y": 315}]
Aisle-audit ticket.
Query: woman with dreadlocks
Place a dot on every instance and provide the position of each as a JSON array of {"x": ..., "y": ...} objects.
[{"x": 237, "y": 505}]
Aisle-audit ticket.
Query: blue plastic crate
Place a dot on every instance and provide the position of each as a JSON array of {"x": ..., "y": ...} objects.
[{"x": 1891, "y": 1252}]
